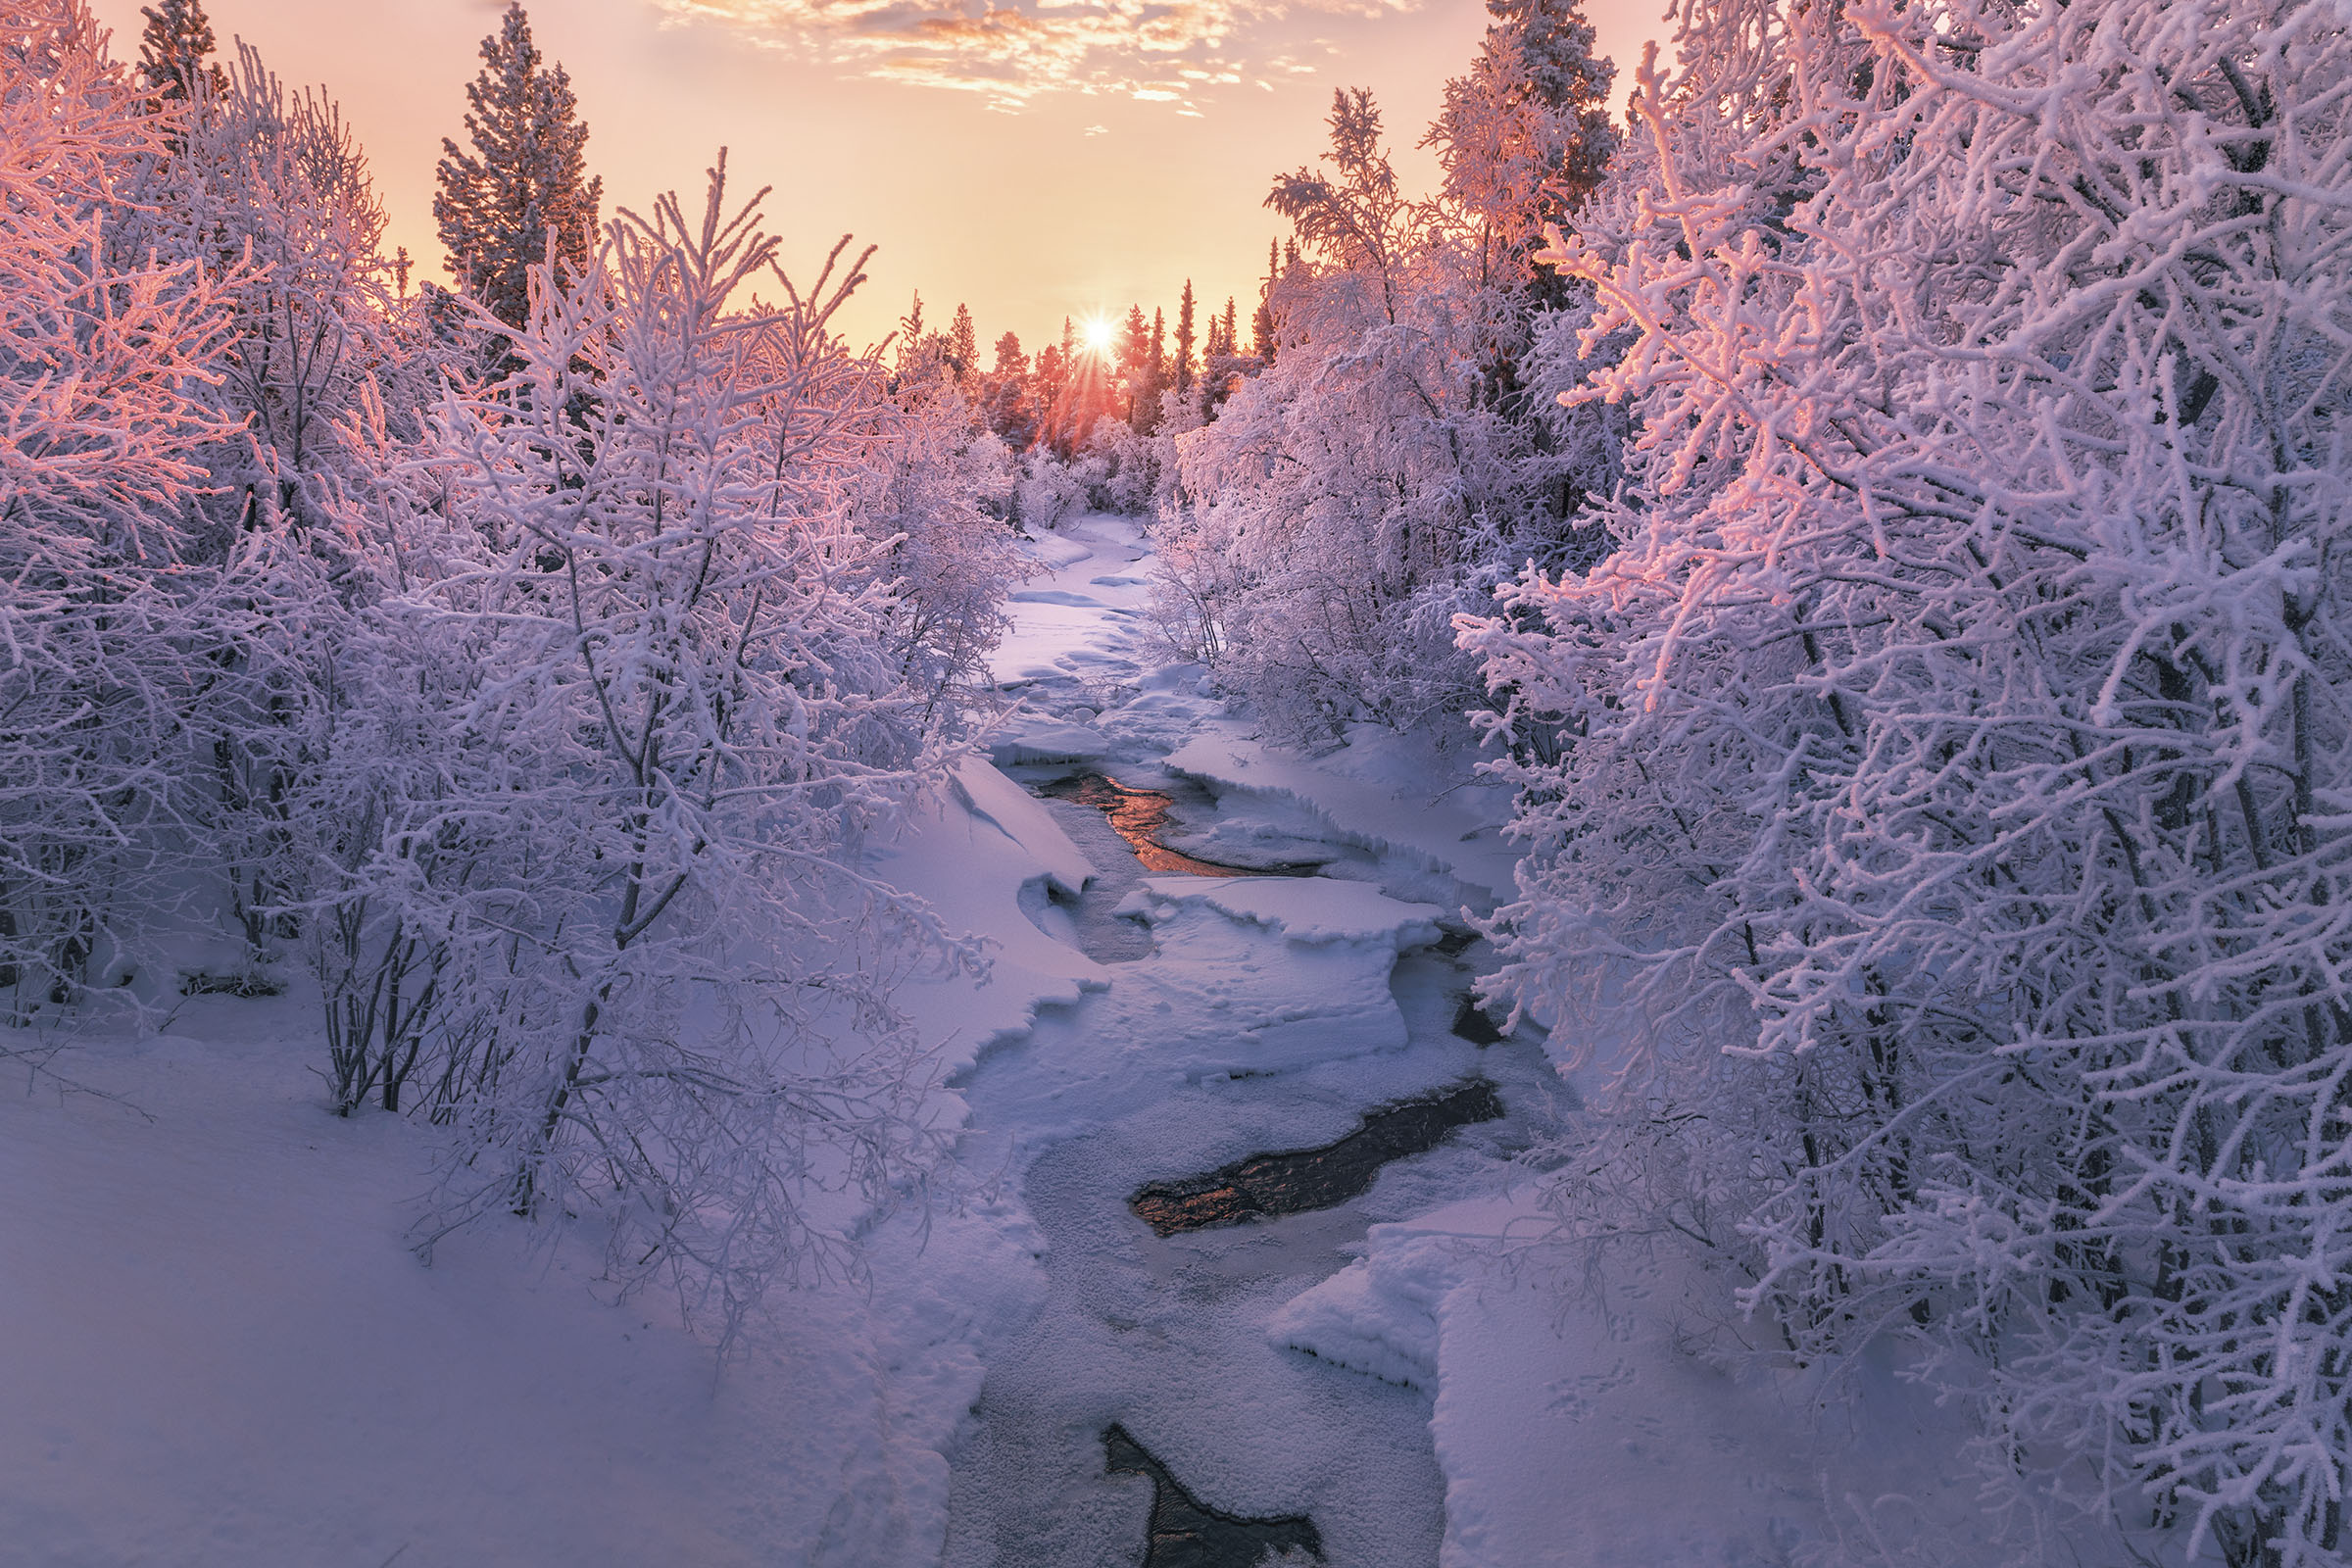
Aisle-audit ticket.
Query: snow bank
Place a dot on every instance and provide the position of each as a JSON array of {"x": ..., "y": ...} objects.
[
  {"x": 970, "y": 853},
  {"x": 1156, "y": 722},
  {"x": 1385, "y": 1326},
  {"x": 1023, "y": 819},
  {"x": 1310, "y": 909},
  {"x": 1076, "y": 622},
  {"x": 1066, "y": 597},
  {"x": 220, "y": 1353},
  {"x": 1055, "y": 550},
  {"x": 1583, "y": 1431},
  {"x": 1383, "y": 790}
]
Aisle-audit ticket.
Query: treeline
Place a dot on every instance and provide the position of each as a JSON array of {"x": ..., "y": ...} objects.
[
  {"x": 1890, "y": 525},
  {"x": 524, "y": 661},
  {"x": 1087, "y": 424}
]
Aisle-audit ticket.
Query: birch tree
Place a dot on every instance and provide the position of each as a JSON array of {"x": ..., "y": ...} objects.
[
  {"x": 1955, "y": 741},
  {"x": 691, "y": 714}
]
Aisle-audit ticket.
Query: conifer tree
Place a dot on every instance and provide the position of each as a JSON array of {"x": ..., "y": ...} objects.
[
  {"x": 1184, "y": 341},
  {"x": 1261, "y": 320},
  {"x": 1006, "y": 402},
  {"x": 1010, "y": 361},
  {"x": 910, "y": 334},
  {"x": 1525, "y": 135},
  {"x": 524, "y": 186},
  {"x": 963, "y": 343},
  {"x": 1153, "y": 378},
  {"x": 175, "y": 50},
  {"x": 1555, "y": 42},
  {"x": 1135, "y": 362}
]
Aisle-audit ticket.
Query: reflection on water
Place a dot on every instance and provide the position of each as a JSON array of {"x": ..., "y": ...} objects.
[
  {"x": 1136, "y": 815},
  {"x": 1265, "y": 1185}
]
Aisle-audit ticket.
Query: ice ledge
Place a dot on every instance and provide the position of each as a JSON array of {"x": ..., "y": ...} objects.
[
  {"x": 1384, "y": 792},
  {"x": 1309, "y": 910}
]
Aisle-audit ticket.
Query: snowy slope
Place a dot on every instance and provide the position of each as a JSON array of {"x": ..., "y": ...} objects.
[
  {"x": 217, "y": 1348},
  {"x": 1580, "y": 1429}
]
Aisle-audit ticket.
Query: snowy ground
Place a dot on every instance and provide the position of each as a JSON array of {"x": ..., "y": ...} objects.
[{"x": 215, "y": 1348}]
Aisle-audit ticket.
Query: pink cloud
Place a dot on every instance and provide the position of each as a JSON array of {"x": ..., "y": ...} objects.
[{"x": 1154, "y": 50}]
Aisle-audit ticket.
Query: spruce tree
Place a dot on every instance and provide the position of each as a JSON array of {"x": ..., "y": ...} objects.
[
  {"x": 175, "y": 50},
  {"x": 524, "y": 186},
  {"x": 1010, "y": 361},
  {"x": 1555, "y": 43},
  {"x": 1525, "y": 135},
  {"x": 1184, "y": 341},
  {"x": 1135, "y": 365},
  {"x": 1261, "y": 320},
  {"x": 1155, "y": 378},
  {"x": 963, "y": 344}
]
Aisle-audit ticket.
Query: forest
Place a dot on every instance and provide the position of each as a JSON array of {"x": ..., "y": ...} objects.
[{"x": 1863, "y": 512}]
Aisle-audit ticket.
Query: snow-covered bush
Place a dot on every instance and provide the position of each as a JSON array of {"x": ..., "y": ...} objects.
[
  {"x": 1959, "y": 740},
  {"x": 1122, "y": 468},
  {"x": 667, "y": 712},
  {"x": 1046, "y": 491},
  {"x": 271, "y": 191},
  {"x": 934, "y": 497}
]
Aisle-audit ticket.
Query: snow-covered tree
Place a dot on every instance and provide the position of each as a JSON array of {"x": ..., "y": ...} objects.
[
  {"x": 176, "y": 51},
  {"x": 1958, "y": 738},
  {"x": 106, "y": 627},
  {"x": 1523, "y": 137},
  {"x": 937, "y": 496},
  {"x": 964, "y": 345},
  {"x": 1185, "y": 339},
  {"x": 522, "y": 192},
  {"x": 1347, "y": 500},
  {"x": 690, "y": 717}
]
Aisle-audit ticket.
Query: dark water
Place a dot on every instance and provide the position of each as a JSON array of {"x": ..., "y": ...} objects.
[
  {"x": 1471, "y": 1022},
  {"x": 1186, "y": 1532},
  {"x": 1267, "y": 1185}
]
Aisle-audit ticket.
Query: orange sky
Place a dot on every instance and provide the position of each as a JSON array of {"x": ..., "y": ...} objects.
[{"x": 1056, "y": 157}]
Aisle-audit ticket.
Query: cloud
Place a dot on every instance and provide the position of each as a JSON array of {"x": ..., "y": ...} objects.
[{"x": 1160, "y": 51}]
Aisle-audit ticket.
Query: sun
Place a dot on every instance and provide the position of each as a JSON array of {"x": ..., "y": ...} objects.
[{"x": 1095, "y": 333}]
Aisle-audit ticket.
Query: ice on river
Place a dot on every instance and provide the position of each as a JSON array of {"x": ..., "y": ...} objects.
[
  {"x": 1307, "y": 909},
  {"x": 1274, "y": 1013},
  {"x": 1270, "y": 1014}
]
